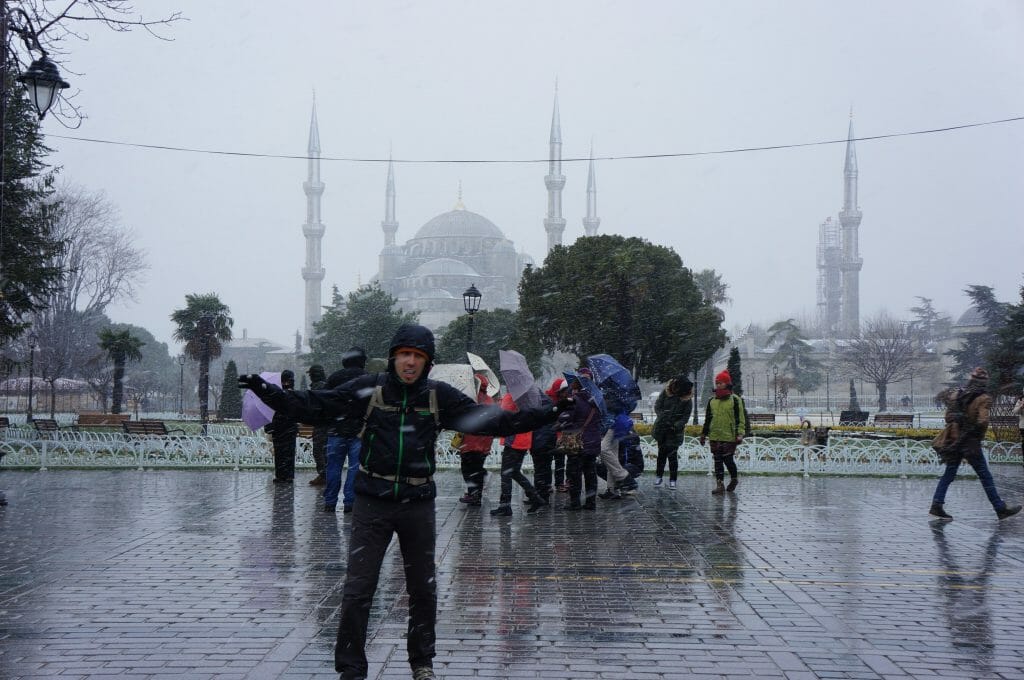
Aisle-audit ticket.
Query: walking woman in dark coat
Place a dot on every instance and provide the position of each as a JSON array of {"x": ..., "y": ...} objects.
[{"x": 672, "y": 411}]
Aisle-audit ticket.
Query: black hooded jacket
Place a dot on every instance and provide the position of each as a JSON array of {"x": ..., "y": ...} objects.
[{"x": 399, "y": 439}]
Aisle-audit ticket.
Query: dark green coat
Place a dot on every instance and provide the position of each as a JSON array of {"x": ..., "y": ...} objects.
[{"x": 671, "y": 415}]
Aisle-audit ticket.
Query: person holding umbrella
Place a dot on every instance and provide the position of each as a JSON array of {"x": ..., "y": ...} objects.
[{"x": 402, "y": 411}]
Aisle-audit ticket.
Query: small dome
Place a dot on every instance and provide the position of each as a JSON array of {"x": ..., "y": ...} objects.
[
  {"x": 426, "y": 294},
  {"x": 972, "y": 317},
  {"x": 459, "y": 223},
  {"x": 444, "y": 266}
]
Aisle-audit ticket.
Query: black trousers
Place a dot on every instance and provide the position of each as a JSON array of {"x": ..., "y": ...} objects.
[
  {"x": 512, "y": 470},
  {"x": 473, "y": 473},
  {"x": 668, "y": 451},
  {"x": 320, "y": 449},
  {"x": 284, "y": 454},
  {"x": 542, "y": 462},
  {"x": 725, "y": 458},
  {"x": 374, "y": 521},
  {"x": 581, "y": 471}
]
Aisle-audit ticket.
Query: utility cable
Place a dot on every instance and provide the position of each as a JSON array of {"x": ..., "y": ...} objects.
[{"x": 682, "y": 154}]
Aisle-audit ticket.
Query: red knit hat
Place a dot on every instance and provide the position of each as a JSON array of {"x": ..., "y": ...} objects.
[{"x": 724, "y": 377}]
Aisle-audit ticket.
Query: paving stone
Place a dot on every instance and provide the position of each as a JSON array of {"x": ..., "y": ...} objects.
[{"x": 221, "y": 575}]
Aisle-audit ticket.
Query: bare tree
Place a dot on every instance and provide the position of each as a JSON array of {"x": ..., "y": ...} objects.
[
  {"x": 47, "y": 26},
  {"x": 884, "y": 353}
]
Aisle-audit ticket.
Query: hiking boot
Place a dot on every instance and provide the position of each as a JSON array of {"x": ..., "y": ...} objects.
[
  {"x": 348, "y": 509},
  {"x": 319, "y": 480},
  {"x": 466, "y": 498},
  {"x": 719, "y": 488},
  {"x": 472, "y": 499},
  {"x": 1008, "y": 511},
  {"x": 330, "y": 508},
  {"x": 610, "y": 495},
  {"x": 732, "y": 484},
  {"x": 658, "y": 481},
  {"x": 423, "y": 673},
  {"x": 937, "y": 511},
  {"x": 502, "y": 511},
  {"x": 536, "y": 505},
  {"x": 672, "y": 484}
]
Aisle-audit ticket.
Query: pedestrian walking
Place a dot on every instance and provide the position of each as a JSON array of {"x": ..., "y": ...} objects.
[
  {"x": 473, "y": 451},
  {"x": 725, "y": 424},
  {"x": 1018, "y": 410},
  {"x": 672, "y": 410},
  {"x": 542, "y": 451},
  {"x": 559, "y": 390},
  {"x": 343, "y": 443},
  {"x": 967, "y": 417},
  {"x": 403, "y": 411},
  {"x": 512, "y": 456},
  {"x": 283, "y": 429},
  {"x": 317, "y": 380}
]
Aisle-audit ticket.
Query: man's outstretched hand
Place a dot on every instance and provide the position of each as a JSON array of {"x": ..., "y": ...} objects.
[{"x": 252, "y": 381}]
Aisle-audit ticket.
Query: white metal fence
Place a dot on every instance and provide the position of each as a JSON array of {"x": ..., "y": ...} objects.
[{"x": 235, "y": 447}]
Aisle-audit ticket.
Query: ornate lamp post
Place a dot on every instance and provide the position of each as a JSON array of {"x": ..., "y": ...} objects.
[
  {"x": 32, "y": 340},
  {"x": 471, "y": 303},
  {"x": 181, "y": 385}
]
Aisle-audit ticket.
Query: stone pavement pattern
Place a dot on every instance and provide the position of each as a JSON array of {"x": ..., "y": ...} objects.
[{"x": 223, "y": 575}]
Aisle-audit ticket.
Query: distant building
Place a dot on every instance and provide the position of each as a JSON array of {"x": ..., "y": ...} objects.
[
  {"x": 838, "y": 259},
  {"x": 450, "y": 252}
]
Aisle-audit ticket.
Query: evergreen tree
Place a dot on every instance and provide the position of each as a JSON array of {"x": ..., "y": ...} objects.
[
  {"x": 624, "y": 297},
  {"x": 493, "y": 330},
  {"x": 367, "y": 318},
  {"x": 735, "y": 370},
  {"x": 230, "y": 395},
  {"x": 977, "y": 347},
  {"x": 794, "y": 356},
  {"x": 28, "y": 252},
  {"x": 1005, "y": 358}
]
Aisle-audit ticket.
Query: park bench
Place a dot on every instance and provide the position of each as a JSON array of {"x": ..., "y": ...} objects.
[
  {"x": 761, "y": 418},
  {"x": 46, "y": 427},
  {"x": 894, "y": 419},
  {"x": 853, "y": 417},
  {"x": 148, "y": 428},
  {"x": 90, "y": 420},
  {"x": 305, "y": 431}
]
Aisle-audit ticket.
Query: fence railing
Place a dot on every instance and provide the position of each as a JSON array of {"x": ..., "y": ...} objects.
[{"x": 235, "y": 447}]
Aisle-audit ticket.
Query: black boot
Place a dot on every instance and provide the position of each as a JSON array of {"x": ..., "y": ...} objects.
[
  {"x": 937, "y": 511},
  {"x": 1008, "y": 511},
  {"x": 719, "y": 488},
  {"x": 502, "y": 511},
  {"x": 732, "y": 484}
]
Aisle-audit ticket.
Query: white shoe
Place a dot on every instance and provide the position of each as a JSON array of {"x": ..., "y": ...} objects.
[
  {"x": 672, "y": 484},
  {"x": 658, "y": 481}
]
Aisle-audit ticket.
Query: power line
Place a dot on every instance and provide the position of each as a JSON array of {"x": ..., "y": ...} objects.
[{"x": 682, "y": 154}]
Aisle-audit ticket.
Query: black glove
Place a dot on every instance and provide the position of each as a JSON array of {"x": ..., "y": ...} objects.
[
  {"x": 564, "y": 404},
  {"x": 252, "y": 381}
]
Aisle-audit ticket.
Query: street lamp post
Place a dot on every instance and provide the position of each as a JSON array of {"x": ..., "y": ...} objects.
[
  {"x": 32, "y": 340},
  {"x": 471, "y": 303},
  {"x": 181, "y": 385},
  {"x": 828, "y": 397},
  {"x": 775, "y": 379}
]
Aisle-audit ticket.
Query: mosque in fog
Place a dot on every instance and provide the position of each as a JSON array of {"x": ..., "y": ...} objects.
[{"x": 429, "y": 272}]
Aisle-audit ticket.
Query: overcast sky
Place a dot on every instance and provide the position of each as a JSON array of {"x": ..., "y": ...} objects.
[{"x": 448, "y": 80}]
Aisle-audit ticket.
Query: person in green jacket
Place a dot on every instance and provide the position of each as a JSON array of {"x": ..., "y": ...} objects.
[
  {"x": 725, "y": 423},
  {"x": 671, "y": 410}
]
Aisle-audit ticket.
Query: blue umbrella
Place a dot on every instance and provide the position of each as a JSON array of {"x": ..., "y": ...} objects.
[{"x": 621, "y": 393}]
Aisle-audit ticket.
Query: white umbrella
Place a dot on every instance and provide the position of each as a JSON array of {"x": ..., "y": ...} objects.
[
  {"x": 480, "y": 366},
  {"x": 459, "y": 376}
]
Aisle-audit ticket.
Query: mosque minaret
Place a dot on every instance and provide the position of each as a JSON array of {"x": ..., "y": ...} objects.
[
  {"x": 313, "y": 272},
  {"x": 591, "y": 222},
  {"x": 554, "y": 223}
]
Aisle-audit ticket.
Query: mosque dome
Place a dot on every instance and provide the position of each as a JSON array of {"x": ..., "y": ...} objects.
[
  {"x": 459, "y": 223},
  {"x": 444, "y": 266},
  {"x": 971, "y": 318}
]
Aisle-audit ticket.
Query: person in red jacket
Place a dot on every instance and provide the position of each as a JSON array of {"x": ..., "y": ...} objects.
[
  {"x": 516, "y": 448},
  {"x": 473, "y": 452}
]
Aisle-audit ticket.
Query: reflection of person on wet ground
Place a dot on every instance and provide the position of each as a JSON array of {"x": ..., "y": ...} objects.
[
  {"x": 726, "y": 553},
  {"x": 965, "y": 593}
]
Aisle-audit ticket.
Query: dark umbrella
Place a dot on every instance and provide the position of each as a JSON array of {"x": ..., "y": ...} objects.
[{"x": 620, "y": 391}]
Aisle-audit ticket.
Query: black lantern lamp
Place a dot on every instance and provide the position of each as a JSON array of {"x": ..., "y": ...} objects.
[
  {"x": 43, "y": 81},
  {"x": 471, "y": 303}
]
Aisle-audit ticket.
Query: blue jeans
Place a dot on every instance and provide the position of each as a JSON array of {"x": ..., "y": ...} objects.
[
  {"x": 338, "y": 450},
  {"x": 984, "y": 476}
]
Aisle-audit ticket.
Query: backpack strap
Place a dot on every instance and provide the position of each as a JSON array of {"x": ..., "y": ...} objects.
[{"x": 377, "y": 401}]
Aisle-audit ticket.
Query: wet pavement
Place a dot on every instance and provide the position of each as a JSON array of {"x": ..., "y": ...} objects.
[{"x": 220, "y": 574}]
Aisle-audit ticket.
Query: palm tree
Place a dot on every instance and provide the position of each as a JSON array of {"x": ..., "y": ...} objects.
[
  {"x": 121, "y": 347},
  {"x": 203, "y": 325}
]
